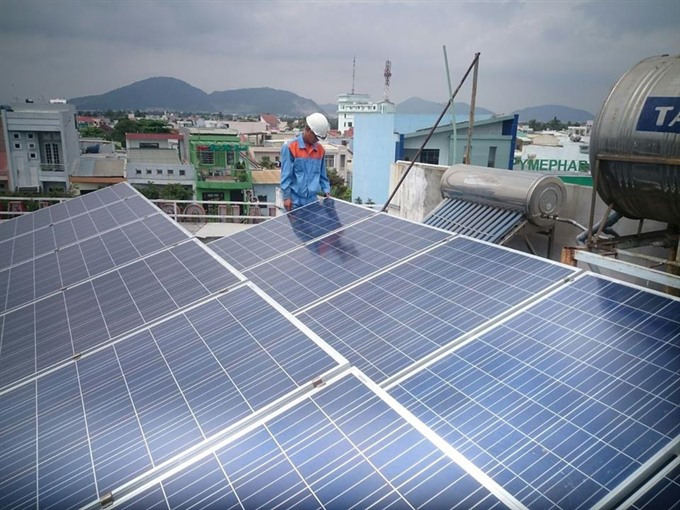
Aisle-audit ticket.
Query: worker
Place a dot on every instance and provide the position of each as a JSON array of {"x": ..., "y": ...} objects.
[{"x": 303, "y": 165}]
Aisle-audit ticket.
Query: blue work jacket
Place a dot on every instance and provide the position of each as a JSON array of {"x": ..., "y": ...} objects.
[{"x": 303, "y": 171}]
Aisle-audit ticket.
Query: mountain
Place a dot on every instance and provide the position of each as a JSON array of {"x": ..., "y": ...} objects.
[
  {"x": 329, "y": 109},
  {"x": 262, "y": 100},
  {"x": 417, "y": 105},
  {"x": 162, "y": 93},
  {"x": 159, "y": 93},
  {"x": 548, "y": 112}
]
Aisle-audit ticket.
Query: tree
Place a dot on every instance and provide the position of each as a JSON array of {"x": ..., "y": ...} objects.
[
  {"x": 175, "y": 192},
  {"x": 338, "y": 187},
  {"x": 267, "y": 162},
  {"x": 92, "y": 132},
  {"x": 124, "y": 126}
]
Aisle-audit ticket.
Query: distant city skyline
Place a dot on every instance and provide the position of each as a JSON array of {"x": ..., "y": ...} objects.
[{"x": 568, "y": 52}]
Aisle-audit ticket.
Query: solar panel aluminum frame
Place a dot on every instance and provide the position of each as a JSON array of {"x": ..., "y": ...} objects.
[
  {"x": 240, "y": 277},
  {"x": 194, "y": 455},
  {"x": 373, "y": 275},
  {"x": 230, "y": 434},
  {"x": 644, "y": 478},
  {"x": 473, "y": 334},
  {"x": 639, "y": 482}
]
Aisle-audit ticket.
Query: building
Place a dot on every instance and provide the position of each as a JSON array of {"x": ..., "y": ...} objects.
[
  {"x": 380, "y": 140},
  {"x": 42, "y": 146},
  {"x": 351, "y": 104},
  {"x": 4, "y": 164},
  {"x": 493, "y": 142},
  {"x": 156, "y": 158},
  {"x": 100, "y": 165},
  {"x": 221, "y": 162}
]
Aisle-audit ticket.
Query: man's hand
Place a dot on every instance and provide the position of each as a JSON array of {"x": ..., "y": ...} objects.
[{"x": 288, "y": 204}]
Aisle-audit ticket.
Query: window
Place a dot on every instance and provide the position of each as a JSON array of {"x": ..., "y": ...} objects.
[
  {"x": 148, "y": 171},
  {"x": 171, "y": 171},
  {"x": 52, "y": 154},
  {"x": 30, "y": 136},
  {"x": 17, "y": 146},
  {"x": 32, "y": 155},
  {"x": 159, "y": 171},
  {"x": 182, "y": 172},
  {"x": 16, "y": 136},
  {"x": 31, "y": 145},
  {"x": 230, "y": 158},
  {"x": 430, "y": 156},
  {"x": 138, "y": 172},
  {"x": 148, "y": 145},
  {"x": 330, "y": 162},
  {"x": 206, "y": 157},
  {"x": 492, "y": 157}
]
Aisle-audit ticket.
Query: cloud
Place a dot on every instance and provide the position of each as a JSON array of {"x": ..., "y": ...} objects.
[{"x": 567, "y": 52}]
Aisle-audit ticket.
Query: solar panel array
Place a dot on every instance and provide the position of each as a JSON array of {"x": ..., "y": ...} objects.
[{"x": 333, "y": 357}]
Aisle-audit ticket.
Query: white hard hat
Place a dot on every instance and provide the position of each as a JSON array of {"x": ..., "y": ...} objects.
[{"x": 319, "y": 125}]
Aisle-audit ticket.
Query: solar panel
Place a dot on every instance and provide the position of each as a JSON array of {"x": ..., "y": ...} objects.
[
  {"x": 300, "y": 277},
  {"x": 72, "y": 263},
  {"x": 112, "y": 304},
  {"x": 34, "y": 243},
  {"x": 278, "y": 235},
  {"x": 137, "y": 361},
  {"x": 344, "y": 447},
  {"x": 77, "y": 432},
  {"x": 565, "y": 400},
  {"x": 389, "y": 322}
]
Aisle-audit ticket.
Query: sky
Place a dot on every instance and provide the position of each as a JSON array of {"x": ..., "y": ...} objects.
[{"x": 532, "y": 53}]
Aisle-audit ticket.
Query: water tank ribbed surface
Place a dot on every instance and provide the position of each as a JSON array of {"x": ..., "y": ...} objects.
[{"x": 639, "y": 125}]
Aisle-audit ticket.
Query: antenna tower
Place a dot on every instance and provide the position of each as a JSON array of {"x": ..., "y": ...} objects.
[
  {"x": 387, "y": 74},
  {"x": 354, "y": 65}
]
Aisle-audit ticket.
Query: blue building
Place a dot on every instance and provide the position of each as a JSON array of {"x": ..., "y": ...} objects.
[{"x": 381, "y": 140}]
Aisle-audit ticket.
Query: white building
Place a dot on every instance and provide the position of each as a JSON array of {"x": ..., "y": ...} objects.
[
  {"x": 42, "y": 146},
  {"x": 351, "y": 104}
]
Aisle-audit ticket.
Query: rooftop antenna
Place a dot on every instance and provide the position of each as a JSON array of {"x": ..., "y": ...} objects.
[
  {"x": 354, "y": 65},
  {"x": 387, "y": 74}
]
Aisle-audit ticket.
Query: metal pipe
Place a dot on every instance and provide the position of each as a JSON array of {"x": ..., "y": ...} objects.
[
  {"x": 429, "y": 135},
  {"x": 604, "y": 226},
  {"x": 454, "y": 142},
  {"x": 471, "y": 122}
]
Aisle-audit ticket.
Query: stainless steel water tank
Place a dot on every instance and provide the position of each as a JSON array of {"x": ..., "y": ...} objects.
[
  {"x": 638, "y": 129},
  {"x": 536, "y": 194}
]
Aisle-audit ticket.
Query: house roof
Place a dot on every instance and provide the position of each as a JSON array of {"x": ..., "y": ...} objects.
[
  {"x": 266, "y": 176},
  {"x": 152, "y": 136},
  {"x": 153, "y": 156},
  {"x": 443, "y": 128},
  {"x": 272, "y": 120}
]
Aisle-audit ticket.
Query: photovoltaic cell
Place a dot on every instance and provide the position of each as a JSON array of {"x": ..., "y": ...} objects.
[
  {"x": 113, "y": 415},
  {"x": 278, "y": 235},
  {"x": 100, "y": 309},
  {"x": 343, "y": 448},
  {"x": 564, "y": 401},
  {"x": 306, "y": 274},
  {"x": 395, "y": 319}
]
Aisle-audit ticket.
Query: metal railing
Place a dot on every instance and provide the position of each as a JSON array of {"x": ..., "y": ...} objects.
[
  {"x": 189, "y": 211},
  {"x": 49, "y": 167}
]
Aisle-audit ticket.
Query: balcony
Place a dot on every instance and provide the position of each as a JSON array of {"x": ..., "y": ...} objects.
[{"x": 49, "y": 167}]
